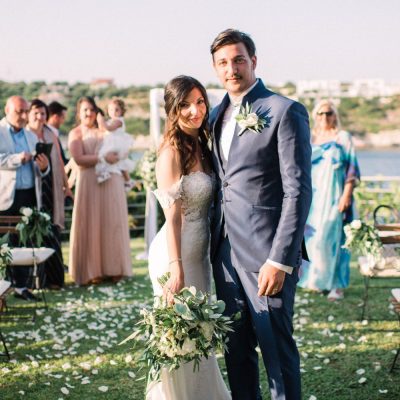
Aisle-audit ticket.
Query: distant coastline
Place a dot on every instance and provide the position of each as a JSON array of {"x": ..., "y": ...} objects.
[{"x": 376, "y": 141}]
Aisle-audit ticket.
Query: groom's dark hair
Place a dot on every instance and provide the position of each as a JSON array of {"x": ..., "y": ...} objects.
[{"x": 233, "y": 36}]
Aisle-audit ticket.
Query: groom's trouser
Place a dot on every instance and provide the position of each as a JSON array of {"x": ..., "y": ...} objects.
[{"x": 266, "y": 321}]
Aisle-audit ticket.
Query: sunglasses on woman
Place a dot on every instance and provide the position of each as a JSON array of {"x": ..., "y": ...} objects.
[{"x": 327, "y": 113}]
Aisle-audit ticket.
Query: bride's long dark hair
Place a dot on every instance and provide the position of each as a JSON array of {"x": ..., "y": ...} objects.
[{"x": 176, "y": 91}]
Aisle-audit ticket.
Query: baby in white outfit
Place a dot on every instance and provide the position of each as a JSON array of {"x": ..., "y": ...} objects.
[{"x": 115, "y": 140}]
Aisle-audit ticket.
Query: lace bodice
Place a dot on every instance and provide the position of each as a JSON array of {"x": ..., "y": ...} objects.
[{"x": 195, "y": 192}]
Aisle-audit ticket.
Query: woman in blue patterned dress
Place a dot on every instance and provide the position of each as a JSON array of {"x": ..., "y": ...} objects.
[{"x": 335, "y": 172}]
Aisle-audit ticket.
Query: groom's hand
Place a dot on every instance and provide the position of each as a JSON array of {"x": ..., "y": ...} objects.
[{"x": 270, "y": 280}]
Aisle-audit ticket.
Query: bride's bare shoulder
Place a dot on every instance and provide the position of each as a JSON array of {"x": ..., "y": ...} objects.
[{"x": 168, "y": 168}]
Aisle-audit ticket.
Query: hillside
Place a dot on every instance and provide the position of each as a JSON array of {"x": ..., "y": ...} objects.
[{"x": 358, "y": 115}]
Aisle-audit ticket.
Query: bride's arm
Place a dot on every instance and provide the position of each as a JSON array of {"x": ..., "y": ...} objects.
[{"x": 168, "y": 174}]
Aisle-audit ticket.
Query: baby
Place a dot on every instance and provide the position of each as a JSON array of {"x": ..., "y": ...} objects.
[{"x": 115, "y": 140}]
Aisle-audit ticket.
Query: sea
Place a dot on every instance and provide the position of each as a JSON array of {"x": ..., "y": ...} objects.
[{"x": 372, "y": 162}]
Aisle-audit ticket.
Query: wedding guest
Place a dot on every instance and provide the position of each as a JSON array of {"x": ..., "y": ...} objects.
[
  {"x": 335, "y": 173},
  {"x": 99, "y": 243},
  {"x": 56, "y": 117},
  {"x": 20, "y": 176},
  {"x": 54, "y": 190}
]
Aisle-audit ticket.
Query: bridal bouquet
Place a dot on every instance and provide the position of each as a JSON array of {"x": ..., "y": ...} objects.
[
  {"x": 5, "y": 254},
  {"x": 363, "y": 238},
  {"x": 192, "y": 328},
  {"x": 34, "y": 226}
]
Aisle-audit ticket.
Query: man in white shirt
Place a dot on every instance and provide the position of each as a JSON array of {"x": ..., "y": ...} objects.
[{"x": 262, "y": 159}]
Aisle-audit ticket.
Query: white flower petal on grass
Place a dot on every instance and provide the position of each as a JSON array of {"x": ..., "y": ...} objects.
[
  {"x": 64, "y": 390},
  {"x": 103, "y": 388},
  {"x": 98, "y": 360},
  {"x": 312, "y": 397},
  {"x": 21, "y": 392},
  {"x": 341, "y": 346},
  {"x": 128, "y": 358},
  {"x": 331, "y": 318},
  {"x": 317, "y": 368},
  {"x": 383, "y": 391},
  {"x": 85, "y": 365},
  {"x": 95, "y": 371},
  {"x": 360, "y": 371},
  {"x": 66, "y": 366},
  {"x": 131, "y": 374},
  {"x": 327, "y": 361},
  {"x": 362, "y": 380},
  {"x": 112, "y": 362},
  {"x": 364, "y": 322}
]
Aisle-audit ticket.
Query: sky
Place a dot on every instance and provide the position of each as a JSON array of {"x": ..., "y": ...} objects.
[{"x": 145, "y": 42}]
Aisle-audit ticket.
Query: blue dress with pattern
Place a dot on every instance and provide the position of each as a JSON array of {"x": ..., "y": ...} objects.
[{"x": 333, "y": 164}]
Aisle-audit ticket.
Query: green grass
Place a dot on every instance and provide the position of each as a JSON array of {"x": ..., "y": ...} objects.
[{"x": 74, "y": 344}]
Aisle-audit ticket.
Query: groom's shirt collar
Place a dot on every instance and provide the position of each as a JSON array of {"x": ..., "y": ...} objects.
[{"x": 236, "y": 101}]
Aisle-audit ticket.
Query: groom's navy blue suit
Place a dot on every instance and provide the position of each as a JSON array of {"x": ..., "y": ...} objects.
[{"x": 261, "y": 207}]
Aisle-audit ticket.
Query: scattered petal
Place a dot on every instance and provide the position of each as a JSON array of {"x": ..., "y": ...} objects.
[
  {"x": 64, "y": 390},
  {"x": 360, "y": 371},
  {"x": 103, "y": 389},
  {"x": 362, "y": 380}
]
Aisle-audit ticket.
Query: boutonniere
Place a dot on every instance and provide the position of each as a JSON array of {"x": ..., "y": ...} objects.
[{"x": 247, "y": 119}]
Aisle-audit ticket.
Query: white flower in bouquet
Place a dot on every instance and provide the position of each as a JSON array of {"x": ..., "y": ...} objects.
[
  {"x": 26, "y": 211},
  {"x": 356, "y": 224},
  {"x": 188, "y": 347},
  {"x": 192, "y": 328},
  {"x": 207, "y": 329},
  {"x": 5, "y": 254}
]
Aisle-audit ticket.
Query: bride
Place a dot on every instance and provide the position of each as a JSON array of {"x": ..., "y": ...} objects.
[{"x": 185, "y": 191}]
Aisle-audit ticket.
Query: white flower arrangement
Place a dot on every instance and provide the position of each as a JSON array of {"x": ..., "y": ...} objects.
[
  {"x": 192, "y": 328},
  {"x": 5, "y": 254},
  {"x": 247, "y": 119},
  {"x": 34, "y": 226},
  {"x": 362, "y": 238},
  {"x": 146, "y": 169}
]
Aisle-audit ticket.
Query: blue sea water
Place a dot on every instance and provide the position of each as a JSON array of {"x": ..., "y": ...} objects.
[{"x": 379, "y": 162}]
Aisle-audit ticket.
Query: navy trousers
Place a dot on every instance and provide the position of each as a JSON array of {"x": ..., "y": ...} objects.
[{"x": 266, "y": 321}]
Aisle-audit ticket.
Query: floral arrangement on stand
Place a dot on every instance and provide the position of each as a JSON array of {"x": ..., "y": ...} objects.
[
  {"x": 5, "y": 255},
  {"x": 170, "y": 335},
  {"x": 34, "y": 226},
  {"x": 363, "y": 239},
  {"x": 146, "y": 169}
]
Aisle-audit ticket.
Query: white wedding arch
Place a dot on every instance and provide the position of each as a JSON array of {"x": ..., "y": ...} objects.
[{"x": 156, "y": 114}]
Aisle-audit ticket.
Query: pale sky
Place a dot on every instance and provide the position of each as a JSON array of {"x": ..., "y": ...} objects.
[{"x": 151, "y": 41}]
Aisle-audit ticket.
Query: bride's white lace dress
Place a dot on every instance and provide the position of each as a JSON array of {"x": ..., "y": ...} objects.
[{"x": 195, "y": 191}]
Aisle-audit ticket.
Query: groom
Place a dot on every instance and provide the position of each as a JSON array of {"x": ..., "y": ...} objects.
[{"x": 264, "y": 173}]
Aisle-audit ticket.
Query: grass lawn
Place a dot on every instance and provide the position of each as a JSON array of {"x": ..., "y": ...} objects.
[{"x": 71, "y": 350}]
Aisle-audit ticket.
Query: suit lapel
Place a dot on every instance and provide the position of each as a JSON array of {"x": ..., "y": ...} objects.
[{"x": 216, "y": 131}]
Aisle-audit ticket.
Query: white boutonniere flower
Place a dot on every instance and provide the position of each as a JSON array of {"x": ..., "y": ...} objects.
[{"x": 247, "y": 119}]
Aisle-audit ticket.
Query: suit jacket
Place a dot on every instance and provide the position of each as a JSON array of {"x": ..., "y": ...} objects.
[
  {"x": 264, "y": 195},
  {"x": 10, "y": 162}
]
